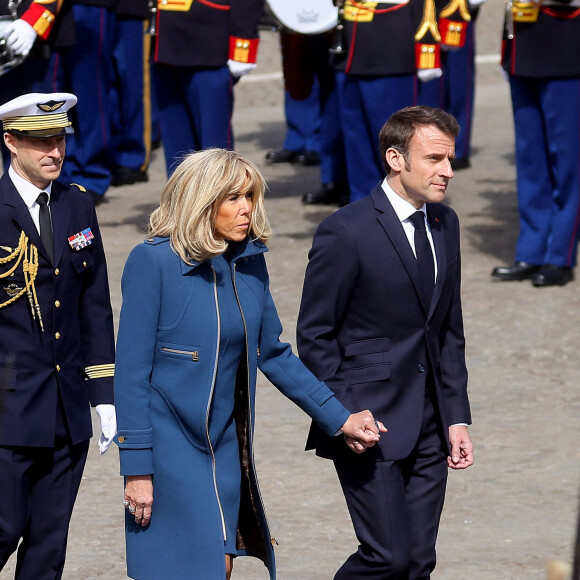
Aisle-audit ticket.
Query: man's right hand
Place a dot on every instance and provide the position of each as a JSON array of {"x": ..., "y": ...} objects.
[
  {"x": 361, "y": 431},
  {"x": 21, "y": 37}
]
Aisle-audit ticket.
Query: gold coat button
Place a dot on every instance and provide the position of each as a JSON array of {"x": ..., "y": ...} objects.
[
  {"x": 58, "y": 368},
  {"x": 57, "y": 303},
  {"x": 85, "y": 264},
  {"x": 57, "y": 335},
  {"x": 57, "y": 272},
  {"x": 121, "y": 439}
]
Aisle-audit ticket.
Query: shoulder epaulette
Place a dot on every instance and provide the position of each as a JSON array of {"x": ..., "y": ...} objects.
[{"x": 80, "y": 187}]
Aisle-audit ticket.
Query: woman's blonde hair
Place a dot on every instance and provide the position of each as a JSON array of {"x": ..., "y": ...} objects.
[{"x": 194, "y": 193}]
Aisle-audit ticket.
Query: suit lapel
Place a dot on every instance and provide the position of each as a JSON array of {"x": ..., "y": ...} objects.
[
  {"x": 17, "y": 210},
  {"x": 394, "y": 230},
  {"x": 439, "y": 242},
  {"x": 59, "y": 212}
]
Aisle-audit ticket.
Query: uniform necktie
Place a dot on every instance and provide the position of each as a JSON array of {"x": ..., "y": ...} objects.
[
  {"x": 45, "y": 224},
  {"x": 424, "y": 255}
]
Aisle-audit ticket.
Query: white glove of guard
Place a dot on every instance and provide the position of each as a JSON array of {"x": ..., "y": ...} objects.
[
  {"x": 428, "y": 74},
  {"x": 108, "y": 425},
  {"x": 21, "y": 37},
  {"x": 239, "y": 69}
]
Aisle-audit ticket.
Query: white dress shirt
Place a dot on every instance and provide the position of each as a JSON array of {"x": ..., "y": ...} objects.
[
  {"x": 29, "y": 194},
  {"x": 404, "y": 211}
]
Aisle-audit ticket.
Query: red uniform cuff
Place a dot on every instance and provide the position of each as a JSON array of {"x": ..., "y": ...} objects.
[
  {"x": 243, "y": 49},
  {"x": 427, "y": 55},
  {"x": 41, "y": 19}
]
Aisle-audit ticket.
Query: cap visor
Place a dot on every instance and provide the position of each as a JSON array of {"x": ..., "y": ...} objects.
[{"x": 41, "y": 133}]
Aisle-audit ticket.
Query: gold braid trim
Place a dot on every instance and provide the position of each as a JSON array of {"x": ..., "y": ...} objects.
[{"x": 30, "y": 271}]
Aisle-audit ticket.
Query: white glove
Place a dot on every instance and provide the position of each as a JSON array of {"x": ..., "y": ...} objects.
[
  {"x": 108, "y": 425},
  {"x": 428, "y": 74},
  {"x": 21, "y": 37},
  {"x": 238, "y": 69}
]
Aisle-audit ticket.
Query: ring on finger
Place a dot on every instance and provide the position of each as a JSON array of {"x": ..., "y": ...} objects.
[{"x": 132, "y": 509}]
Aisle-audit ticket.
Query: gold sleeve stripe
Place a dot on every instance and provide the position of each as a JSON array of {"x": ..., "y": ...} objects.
[{"x": 100, "y": 371}]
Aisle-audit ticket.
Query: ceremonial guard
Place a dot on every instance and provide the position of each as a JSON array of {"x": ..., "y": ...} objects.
[
  {"x": 454, "y": 91},
  {"x": 131, "y": 93},
  {"x": 201, "y": 48},
  {"x": 56, "y": 339},
  {"x": 377, "y": 69},
  {"x": 30, "y": 30},
  {"x": 87, "y": 71},
  {"x": 541, "y": 54}
]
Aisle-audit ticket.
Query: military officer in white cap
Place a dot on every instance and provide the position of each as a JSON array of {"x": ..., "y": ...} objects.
[{"x": 56, "y": 336}]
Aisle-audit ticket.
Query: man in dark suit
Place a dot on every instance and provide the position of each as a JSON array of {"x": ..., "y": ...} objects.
[
  {"x": 381, "y": 323},
  {"x": 56, "y": 336}
]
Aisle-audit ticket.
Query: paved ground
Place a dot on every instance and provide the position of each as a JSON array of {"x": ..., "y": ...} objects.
[{"x": 505, "y": 517}]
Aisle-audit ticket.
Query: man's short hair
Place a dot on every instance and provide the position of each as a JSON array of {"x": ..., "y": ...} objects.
[{"x": 399, "y": 129}]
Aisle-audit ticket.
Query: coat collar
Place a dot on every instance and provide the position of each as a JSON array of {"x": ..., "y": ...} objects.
[
  {"x": 17, "y": 210},
  {"x": 394, "y": 230},
  {"x": 244, "y": 249}
]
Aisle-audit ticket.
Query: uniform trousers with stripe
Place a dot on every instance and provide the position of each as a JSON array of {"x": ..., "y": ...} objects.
[{"x": 547, "y": 137}]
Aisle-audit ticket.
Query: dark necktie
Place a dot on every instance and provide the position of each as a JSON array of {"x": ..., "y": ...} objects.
[
  {"x": 45, "y": 224},
  {"x": 424, "y": 255}
]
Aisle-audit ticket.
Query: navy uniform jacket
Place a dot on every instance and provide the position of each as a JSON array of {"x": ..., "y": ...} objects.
[
  {"x": 204, "y": 33},
  {"x": 364, "y": 331},
  {"x": 383, "y": 46},
  {"x": 549, "y": 47},
  {"x": 75, "y": 353},
  {"x": 136, "y": 8}
]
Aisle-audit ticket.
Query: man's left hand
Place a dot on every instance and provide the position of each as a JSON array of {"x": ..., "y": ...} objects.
[
  {"x": 108, "y": 425},
  {"x": 461, "y": 456}
]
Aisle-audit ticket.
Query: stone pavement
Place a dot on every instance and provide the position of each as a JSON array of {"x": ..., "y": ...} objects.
[{"x": 506, "y": 516}]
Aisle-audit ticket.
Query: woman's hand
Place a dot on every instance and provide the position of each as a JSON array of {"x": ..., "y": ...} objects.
[
  {"x": 362, "y": 431},
  {"x": 139, "y": 495}
]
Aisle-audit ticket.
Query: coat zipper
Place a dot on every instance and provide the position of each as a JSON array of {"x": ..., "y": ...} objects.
[
  {"x": 217, "y": 495},
  {"x": 272, "y": 539},
  {"x": 194, "y": 354}
]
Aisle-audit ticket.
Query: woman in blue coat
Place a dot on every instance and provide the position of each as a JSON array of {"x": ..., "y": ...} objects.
[{"x": 197, "y": 322}]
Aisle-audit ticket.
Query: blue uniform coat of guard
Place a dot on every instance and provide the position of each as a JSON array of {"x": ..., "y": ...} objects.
[{"x": 166, "y": 368}]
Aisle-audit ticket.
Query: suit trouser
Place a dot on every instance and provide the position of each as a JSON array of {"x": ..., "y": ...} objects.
[
  {"x": 395, "y": 507},
  {"x": 39, "y": 487},
  {"x": 547, "y": 128}
]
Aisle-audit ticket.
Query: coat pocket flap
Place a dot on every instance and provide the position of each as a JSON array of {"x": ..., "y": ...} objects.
[
  {"x": 82, "y": 262},
  {"x": 367, "y": 346},
  {"x": 367, "y": 374}
]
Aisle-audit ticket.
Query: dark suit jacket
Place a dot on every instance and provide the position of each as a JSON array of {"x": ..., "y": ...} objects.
[
  {"x": 364, "y": 331},
  {"x": 74, "y": 302}
]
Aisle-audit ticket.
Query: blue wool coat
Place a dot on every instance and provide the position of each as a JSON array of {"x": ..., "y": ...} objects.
[{"x": 166, "y": 367}]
